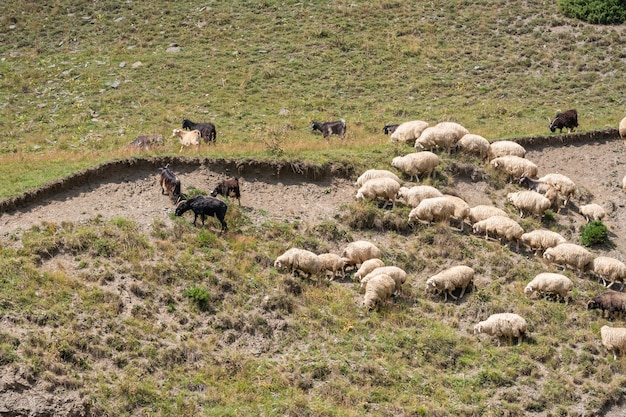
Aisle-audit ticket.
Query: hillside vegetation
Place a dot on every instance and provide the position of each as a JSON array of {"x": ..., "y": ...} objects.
[{"x": 107, "y": 318}]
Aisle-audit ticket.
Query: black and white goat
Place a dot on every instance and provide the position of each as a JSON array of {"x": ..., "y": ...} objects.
[
  {"x": 227, "y": 188},
  {"x": 204, "y": 206},
  {"x": 330, "y": 128},
  {"x": 170, "y": 184},
  {"x": 207, "y": 130}
]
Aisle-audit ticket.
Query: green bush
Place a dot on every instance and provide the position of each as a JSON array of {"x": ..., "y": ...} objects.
[
  {"x": 594, "y": 233},
  {"x": 200, "y": 296},
  {"x": 595, "y": 11}
]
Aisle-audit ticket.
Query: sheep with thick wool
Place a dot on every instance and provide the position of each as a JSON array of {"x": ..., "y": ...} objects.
[
  {"x": 614, "y": 340},
  {"x": 509, "y": 325},
  {"x": 379, "y": 188},
  {"x": 408, "y": 132},
  {"x": 398, "y": 274},
  {"x": 592, "y": 212},
  {"x": 515, "y": 167},
  {"x": 502, "y": 227},
  {"x": 443, "y": 136},
  {"x": 482, "y": 212},
  {"x": 609, "y": 270},
  {"x": 416, "y": 163},
  {"x": 414, "y": 195},
  {"x": 563, "y": 184},
  {"x": 474, "y": 145},
  {"x": 376, "y": 173},
  {"x": 301, "y": 260},
  {"x": 529, "y": 202},
  {"x": 433, "y": 209},
  {"x": 504, "y": 148},
  {"x": 333, "y": 263},
  {"x": 569, "y": 255},
  {"x": 541, "y": 239},
  {"x": 360, "y": 251},
  {"x": 367, "y": 267},
  {"x": 550, "y": 283},
  {"x": 461, "y": 210},
  {"x": 611, "y": 301},
  {"x": 624, "y": 183},
  {"x": 379, "y": 289},
  {"x": 447, "y": 281},
  {"x": 622, "y": 128}
]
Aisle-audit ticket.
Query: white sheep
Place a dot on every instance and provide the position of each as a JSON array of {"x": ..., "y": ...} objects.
[
  {"x": 529, "y": 202},
  {"x": 614, "y": 339},
  {"x": 398, "y": 274},
  {"x": 433, "y": 209},
  {"x": 503, "y": 325},
  {"x": 379, "y": 188},
  {"x": 443, "y": 135},
  {"x": 367, "y": 267},
  {"x": 609, "y": 270},
  {"x": 301, "y": 260},
  {"x": 331, "y": 262},
  {"x": 474, "y": 144},
  {"x": 360, "y": 251},
  {"x": 541, "y": 239},
  {"x": 416, "y": 164},
  {"x": 622, "y": 128},
  {"x": 414, "y": 195},
  {"x": 563, "y": 184},
  {"x": 505, "y": 147},
  {"x": 461, "y": 209},
  {"x": 515, "y": 167},
  {"x": 569, "y": 255},
  {"x": 378, "y": 290},
  {"x": 551, "y": 283},
  {"x": 502, "y": 227},
  {"x": 624, "y": 183},
  {"x": 592, "y": 212},
  {"x": 187, "y": 138},
  {"x": 407, "y": 132},
  {"x": 482, "y": 212},
  {"x": 376, "y": 173},
  {"x": 449, "y": 280}
]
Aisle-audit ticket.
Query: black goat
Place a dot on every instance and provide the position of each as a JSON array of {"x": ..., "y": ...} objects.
[
  {"x": 170, "y": 184},
  {"x": 567, "y": 119},
  {"x": 330, "y": 128},
  {"x": 389, "y": 129},
  {"x": 207, "y": 130},
  {"x": 227, "y": 188},
  {"x": 204, "y": 206}
]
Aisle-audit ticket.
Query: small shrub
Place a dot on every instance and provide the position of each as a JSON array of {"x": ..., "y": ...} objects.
[
  {"x": 601, "y": 12},
  {"x": 594, "y": 233},
  {"x": 199, "y": 296}
]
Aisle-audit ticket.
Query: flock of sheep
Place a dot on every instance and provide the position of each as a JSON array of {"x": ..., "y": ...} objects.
[{"x": 380, "y": 282}]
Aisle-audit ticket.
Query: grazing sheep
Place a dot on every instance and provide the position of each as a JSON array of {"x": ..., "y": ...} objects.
[
  {"x": 379, "y": 188},
  {"x": 567, "y": 119},
  {"x": 207, "y": 130},
  {"x": 360, "y": 251},
  {"x": 515, "y": 167},
  {"x": 503, "y": 325},
  {"x": 592, "y": 212},
  {"x": 548, "y": 191},
  {"x": 624, "y": 183},
  {"x": 433, "y": 209},
  {"x": 502, "y": 227},
  {"x": 561, "y": 183},
  {"x": 398, "y": 274},
  {"x": 416, "y": 163},
  {"x": 622, "y": 128},
  {"x": 614, "y": 339},
  {"x": 612, "y": 301},
  {"x": 551, "y": 283},
  {"x": 389, "y": 129},
  {"x": 367, "y": 267},
  {"x": 474, "y": 145},
  {"x": 299, "y": 260},
  {"x": 461, "y": 209},
  {"x": 191, "y": 138},
  {"x": 370, "y": 174},
  {"x": 443, "y": 135},
  {"x": 449, "y": 280},
  {"x": 569, "y": 255},
  {"x": 204, "y": 206},
  {"x": 529, "y": 202},
  {"x": 331, "y": 262},
  {"x": 541, "y": 239},
  {"x": 330, "y": 128},
  {"x": 414, "y": 195},
  {"x": 408, "y": 132},
  {"x": 482, "y": 212},
  {"x": 170, "y": 184},
  {"x": 378, "y": 290},
  {"x": 609, "y": 270},
  {"x": 227, "y": 188},
  {"x": 504, "y": 148}
]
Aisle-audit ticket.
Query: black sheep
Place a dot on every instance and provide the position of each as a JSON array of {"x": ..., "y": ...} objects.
[
  {"x": 228, "y": 187},
  {"x": 204, "y": 206},
  {"x": 611, "y": 301},
  {"x": 207, "y": 130},
  {"x": 330, "y": 128}
]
